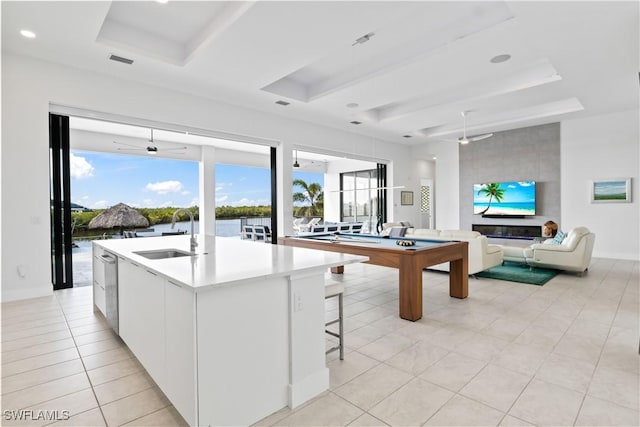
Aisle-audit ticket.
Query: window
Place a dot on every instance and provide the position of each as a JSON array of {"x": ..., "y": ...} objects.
[{"x": 359, "y": 197}]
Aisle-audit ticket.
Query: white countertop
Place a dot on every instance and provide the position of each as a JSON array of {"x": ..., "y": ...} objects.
[{"x": 223, "y": 261}]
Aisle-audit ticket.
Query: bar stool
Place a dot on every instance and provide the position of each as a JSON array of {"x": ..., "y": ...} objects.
[{"x": 330, "y": 291}]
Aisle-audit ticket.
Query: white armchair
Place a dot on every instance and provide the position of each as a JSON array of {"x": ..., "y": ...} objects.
[{"x": 573, "y": 254}]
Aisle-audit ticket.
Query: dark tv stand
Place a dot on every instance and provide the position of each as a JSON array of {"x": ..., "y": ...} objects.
[{"x": 528, "y": 232}]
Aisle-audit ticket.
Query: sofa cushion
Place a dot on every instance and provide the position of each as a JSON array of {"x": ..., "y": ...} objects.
[
  {"x": 557, "y": 240},
  {"x": 423, "y": 232},
  {"x": 574, "y": 236},
  {"x": 460, "y": 234}
]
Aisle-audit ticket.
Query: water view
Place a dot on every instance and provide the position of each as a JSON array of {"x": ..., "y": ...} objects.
[{"x": 82, "y": 265}]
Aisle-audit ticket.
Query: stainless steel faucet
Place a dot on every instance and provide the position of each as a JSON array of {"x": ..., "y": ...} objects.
[{"x": 192, "y": 241}]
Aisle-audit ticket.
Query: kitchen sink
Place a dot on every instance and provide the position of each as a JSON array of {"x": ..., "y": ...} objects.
[{"x": 163, "y": 253}]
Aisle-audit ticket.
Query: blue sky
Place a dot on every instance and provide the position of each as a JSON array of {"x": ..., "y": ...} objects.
[
  {"x": 524, "y": 191},
  {"x": 100, "y": 180}
]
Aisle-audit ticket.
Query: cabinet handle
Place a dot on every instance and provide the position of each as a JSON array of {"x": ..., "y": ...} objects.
[
  {"x": 134, "y": 264},
  {"x": 151, "y": 272},
  {"x": 174, "y": 284}
]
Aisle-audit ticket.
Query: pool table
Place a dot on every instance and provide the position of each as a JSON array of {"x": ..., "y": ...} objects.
[{"x": 409, "y": 260}]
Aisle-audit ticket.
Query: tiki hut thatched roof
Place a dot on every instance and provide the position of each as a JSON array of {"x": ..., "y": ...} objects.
[{"x": 121, "y": 216}]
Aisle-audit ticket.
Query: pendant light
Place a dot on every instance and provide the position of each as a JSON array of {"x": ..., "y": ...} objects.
[{"x": 296, "y": 164}]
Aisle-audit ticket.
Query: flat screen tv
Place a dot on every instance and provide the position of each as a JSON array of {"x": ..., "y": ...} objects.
[{"x": 505, "y": 198}]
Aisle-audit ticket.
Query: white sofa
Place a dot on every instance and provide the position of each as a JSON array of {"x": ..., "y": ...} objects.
[
  {"x": 482, "y": 255},
  {"x": 573, "y": 254}
]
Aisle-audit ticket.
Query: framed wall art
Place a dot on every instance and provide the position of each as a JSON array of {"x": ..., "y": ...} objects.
[
  {"x": 611, "y": 190},
  {"x": 406, "y": 198}
]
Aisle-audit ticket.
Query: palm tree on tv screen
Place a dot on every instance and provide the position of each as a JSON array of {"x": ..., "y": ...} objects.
[
  {"x": 312, "y": 194},
  {"x": 492, "y": 191}
]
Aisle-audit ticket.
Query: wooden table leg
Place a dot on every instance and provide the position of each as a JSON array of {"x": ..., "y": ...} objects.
[
  {"x": 338, "y": 270},
  {"x": 459, "y": 277},
  {"x": 410, "y": 289}
]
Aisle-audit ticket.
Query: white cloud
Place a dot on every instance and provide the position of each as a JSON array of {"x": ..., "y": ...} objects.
[
  {"x": 186, "y": 193},
  {"x": 248, "y": 202},
  {"x": 101, "y": 204},
  {"x": 147, "y": 202},
  {"x": 80, "y": 167},
  {"x": 195, "y": 202},
  {"x": 221, "y": 199},
  {"x": 165, "y": 187}
]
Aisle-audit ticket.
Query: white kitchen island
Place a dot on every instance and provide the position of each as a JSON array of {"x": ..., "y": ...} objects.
[{"x": 231, "y": 334}]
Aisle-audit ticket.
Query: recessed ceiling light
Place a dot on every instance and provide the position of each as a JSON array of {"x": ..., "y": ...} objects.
[
  {"x": 435, "y": 158},
  {"x": 352, "y": 105},
  {"x": 28, "y": 34},
  {"x": 281, "y": 102},
  {"x": 163, "y": 1},
  {"x": 355, "y": 122},
  {"x": 500, "y": 58}
]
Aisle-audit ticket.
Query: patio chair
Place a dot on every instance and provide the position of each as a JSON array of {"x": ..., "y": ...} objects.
[
  {"x": 261, "y": 233},
  {"x": 247, "y": 232},
  {"x": 314, "y": 221}
]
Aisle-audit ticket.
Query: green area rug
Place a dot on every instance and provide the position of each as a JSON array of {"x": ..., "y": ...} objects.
[{"x": 516, "y": 272}]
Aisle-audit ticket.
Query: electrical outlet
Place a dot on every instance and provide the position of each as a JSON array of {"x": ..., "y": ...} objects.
[{"x": 297, "y": 302}]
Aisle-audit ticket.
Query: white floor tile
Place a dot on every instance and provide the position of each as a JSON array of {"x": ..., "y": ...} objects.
[{"x": 509, "y": 355}]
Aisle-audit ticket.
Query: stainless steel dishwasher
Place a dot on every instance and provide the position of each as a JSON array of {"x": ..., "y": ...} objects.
[{"x": 110, "y": 262}]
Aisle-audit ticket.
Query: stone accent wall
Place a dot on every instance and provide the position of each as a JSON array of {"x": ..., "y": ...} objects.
[{"x": 527, "y": 154}]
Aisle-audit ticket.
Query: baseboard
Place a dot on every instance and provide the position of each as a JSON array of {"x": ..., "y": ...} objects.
[
  {"x": 308, "y": 388},
  {"x": 21, "y": 294},
  {"x": 615, "y": 255}
]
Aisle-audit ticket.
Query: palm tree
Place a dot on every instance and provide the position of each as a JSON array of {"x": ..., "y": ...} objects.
[
  {"x": 312, "y": 194},
  {"x": 493, "y": 191}
]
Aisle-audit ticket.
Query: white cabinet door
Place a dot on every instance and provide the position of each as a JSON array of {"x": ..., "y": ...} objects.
[
  {"x": 99, "y": 296},
  {"x": 141, "y": 315},
  {"x": 180, "y": 350},
  {"x": 128, "y": 299}
]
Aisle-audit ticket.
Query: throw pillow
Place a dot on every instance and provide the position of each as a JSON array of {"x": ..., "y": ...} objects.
[
  {"x": 397, "y": 231},
  {"x": 560, "y": 235}
]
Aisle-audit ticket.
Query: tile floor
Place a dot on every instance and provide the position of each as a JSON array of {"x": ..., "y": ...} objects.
[{"x": 510, "y": 355}]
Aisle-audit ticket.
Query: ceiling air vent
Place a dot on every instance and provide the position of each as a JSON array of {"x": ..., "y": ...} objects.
[
  {"x": 355, "y": 122},
  {"x": 121, "y": 59},
  {"x": 282, "y": 102},
  {"x": 407, "y": 136}
]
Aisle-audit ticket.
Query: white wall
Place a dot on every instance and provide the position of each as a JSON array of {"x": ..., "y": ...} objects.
[
  {"x": 421, "y": 168},
  {"x": 598, "y": 147},
  {"x": 29, "y": 86},
  {"x": 602, "y": 147},
  {"x": 447, "y": 182}
]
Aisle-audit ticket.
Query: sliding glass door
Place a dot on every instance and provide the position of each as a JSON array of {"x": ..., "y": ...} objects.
[
  {"x": 363, "y": 197},
  {"x": 61, "y": 244}
]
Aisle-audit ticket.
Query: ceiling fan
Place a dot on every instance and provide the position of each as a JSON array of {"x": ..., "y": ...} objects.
[
  {"x": 308, "y": 164},
  {"x": 464, "y": 139},
  {"x": 150, "y": 149}
]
